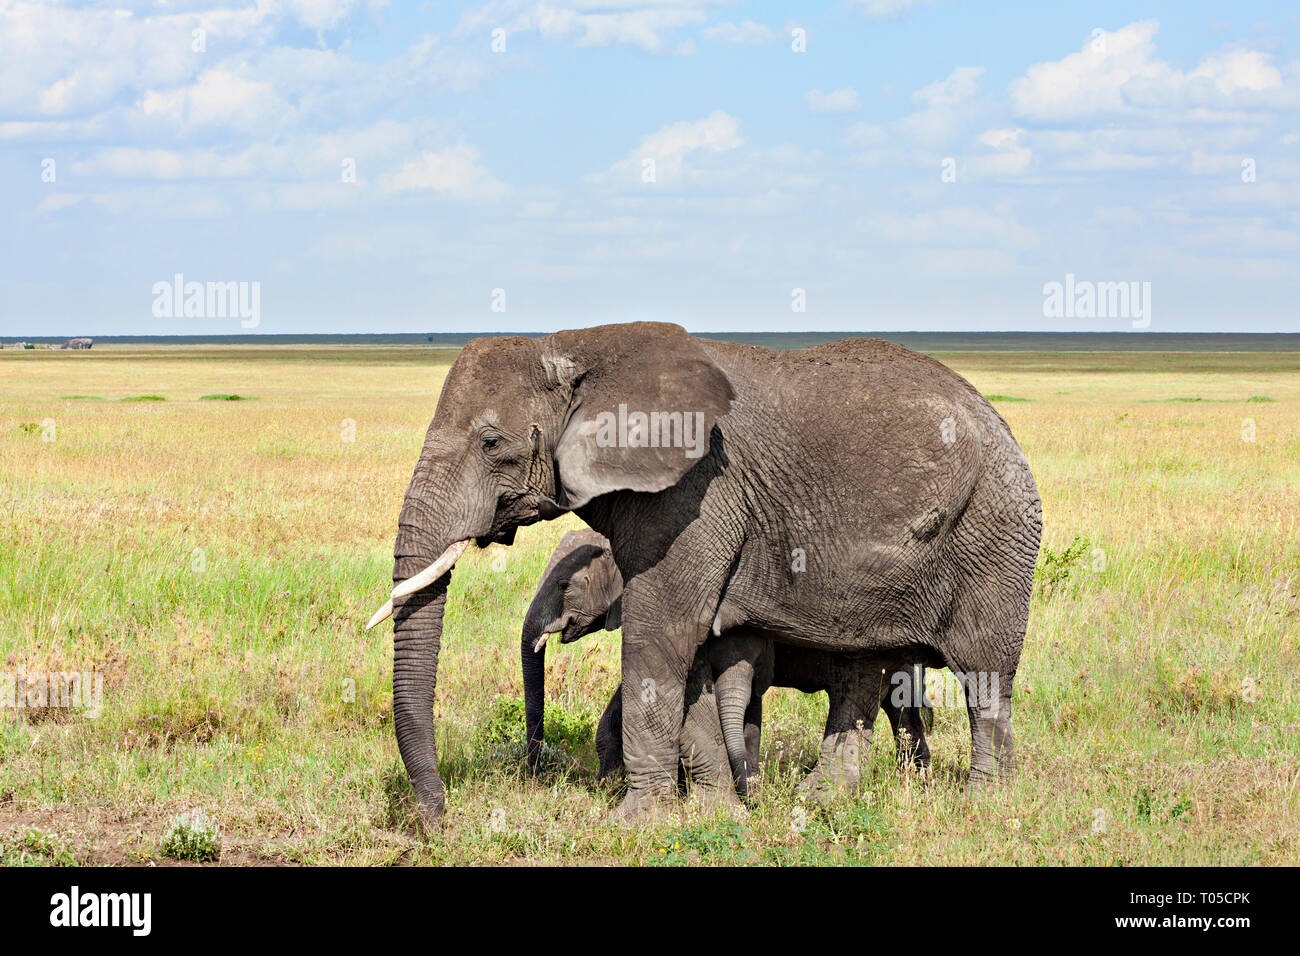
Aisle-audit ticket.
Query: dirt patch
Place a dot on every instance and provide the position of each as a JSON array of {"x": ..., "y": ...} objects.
[{"x": 102, "y": 837}]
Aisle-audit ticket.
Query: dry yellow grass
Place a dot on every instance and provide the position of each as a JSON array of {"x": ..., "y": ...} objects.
[{"x": 215, "y": 560}]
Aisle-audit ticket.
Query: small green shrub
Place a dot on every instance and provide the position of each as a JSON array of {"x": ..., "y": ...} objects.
[
  {"x": 1054, "y": 567},
  {"x": 144, "y": 398},
  {"x": 715, "y": 841},
  {"x": 32, "y": 846},
  {"x": 192, "y": 836},
  {"x": 1005, "y": 398},
  {"x": 1150, "y": 808},
  {"x": 500, "y": 740},
  {"x": 225, "y": 397}
]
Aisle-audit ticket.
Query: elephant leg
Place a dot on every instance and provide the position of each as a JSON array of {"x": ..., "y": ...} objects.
[
  {"x": 854, "y": 699},
  {"x": 753, "y": 738},
  {"x": 654, "y": 708},
  {"x": 901, "y": 698},
  {"x": 609, "y": 737},
  {"x": 1004, "y": 745},
  {"x": 990, "y": 612},
  {"x": 703, "y": 751},
  {"x": 983, "y": 658},
  {"x": 988, "y": 705}
]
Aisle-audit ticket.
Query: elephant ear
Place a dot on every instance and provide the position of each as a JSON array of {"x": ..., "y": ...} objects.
[
  {"x": 645, "y": 397},
  {"x": 614, "y": 616}
]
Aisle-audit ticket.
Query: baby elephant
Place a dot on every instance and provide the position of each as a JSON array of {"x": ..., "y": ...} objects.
[{"x": 580, "y": 592}]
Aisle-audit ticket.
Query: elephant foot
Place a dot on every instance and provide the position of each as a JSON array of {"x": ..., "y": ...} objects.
[
  {"x": 839, "y": 767},
  {"x": 747, "y": 787},
  {"x": 913, "y": 754},
  {"x": 611, "y": 778},
  {"x": 708, "y": 798},
  {"x": 982, "y": 782},
  {"x": 637, "y": 808}
]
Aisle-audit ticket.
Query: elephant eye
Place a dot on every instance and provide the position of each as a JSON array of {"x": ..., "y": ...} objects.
[{"x": 490, "y": 442}]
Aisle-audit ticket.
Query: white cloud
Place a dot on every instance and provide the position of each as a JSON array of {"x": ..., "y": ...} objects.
[
  {"x": 98, "y": 53},
  {"x": 639, "y": 23},
  {"x": 1008, "y": 155},
  {"x": 1236, "y": 70},
  {"x": 130, "y": 162},
  {"x": 838, "y": 101},
  {"x": 1118, "y": 73},
  {"x": 217, "y": 98},
  {"x": 320, "y": 14},
  {"x": 670, "y": 146},
  {"x": 454, "y": 171},
  {"x": 887, "y": 8},
  {"x": 745, "y": 33},
  {"x": 1116, "y": 107},
  {"x": 953, "y": 90},
  {"x": 945, "y": 112}
]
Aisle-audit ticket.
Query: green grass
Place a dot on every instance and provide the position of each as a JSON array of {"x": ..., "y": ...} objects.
[
  {"x": 225, "y": 397},
  {"x": 1005, "y": 398},
  {"x": 143, "y": 398},
  {"x": 218, "y": 574}
]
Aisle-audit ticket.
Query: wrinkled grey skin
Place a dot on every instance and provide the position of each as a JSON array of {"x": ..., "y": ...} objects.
[
  {"x": 579, "y": 594},
  {"x": 856, "y": 498}
]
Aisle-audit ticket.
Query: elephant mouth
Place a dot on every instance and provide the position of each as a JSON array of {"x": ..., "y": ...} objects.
[
  {"x": 499, "y": 536},
  {"x": 566, "y": 631},
  {"x": 576, "y": 629}
]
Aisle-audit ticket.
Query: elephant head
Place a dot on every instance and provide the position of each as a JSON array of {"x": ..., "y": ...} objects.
[
  {"x": 579, "y": 593},
  {"x": 520, "y": 435}
]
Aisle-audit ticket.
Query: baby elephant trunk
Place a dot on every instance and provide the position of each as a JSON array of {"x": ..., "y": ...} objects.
[{"x": 733, "y": 687}]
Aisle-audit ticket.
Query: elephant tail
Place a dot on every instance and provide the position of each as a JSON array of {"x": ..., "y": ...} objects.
[{"x": 733, "y": 687}]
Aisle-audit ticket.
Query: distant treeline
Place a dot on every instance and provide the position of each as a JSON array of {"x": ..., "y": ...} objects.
[{"x": 921, "y": 341}]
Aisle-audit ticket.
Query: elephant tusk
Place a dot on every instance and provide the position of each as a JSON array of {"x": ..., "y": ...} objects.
[
  {"x": 383, "y": 614},
  {"x": 434, "y": 571},
  {"x": 541, "y": 642},
  {"x": 421, "y": 580}
]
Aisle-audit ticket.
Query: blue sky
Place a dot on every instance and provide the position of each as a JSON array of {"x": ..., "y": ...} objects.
[{"x": 920, "y": 164}]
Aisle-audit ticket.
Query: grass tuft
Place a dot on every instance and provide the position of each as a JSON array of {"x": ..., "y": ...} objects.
[{"x": 192, "y": 836}]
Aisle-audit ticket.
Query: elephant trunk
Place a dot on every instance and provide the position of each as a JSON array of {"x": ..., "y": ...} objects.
[
  {"x": 417, "y": 635},
  {"x": 543, "y": 616},
  {"x": 417, "y": 638},
  {"x": 534, "y": 668},
  {"x": 733, "y": 687}
]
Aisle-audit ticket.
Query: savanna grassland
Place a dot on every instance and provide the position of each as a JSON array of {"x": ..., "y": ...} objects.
[{"x": 216, "y": 558}]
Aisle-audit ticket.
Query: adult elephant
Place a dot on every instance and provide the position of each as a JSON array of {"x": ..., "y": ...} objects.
[{"x": 854, "y": 497}]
